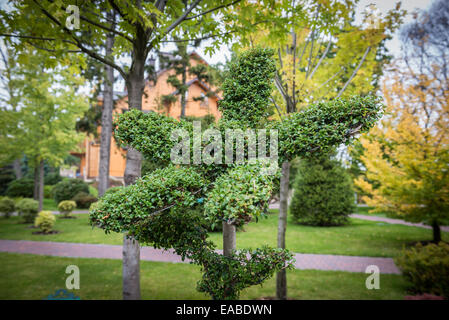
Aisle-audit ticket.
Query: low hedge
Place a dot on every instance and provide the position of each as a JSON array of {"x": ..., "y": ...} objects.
[{"x": 426, "y": 268}]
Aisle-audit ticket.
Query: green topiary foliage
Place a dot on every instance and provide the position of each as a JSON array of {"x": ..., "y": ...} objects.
[
  {"x": 160, "y": 209},
  {"x": 321, "y": 126},
  {"x": 28, "y": 209},
  {"x": 240, "y": 195},
  {"x": 45, "y": 221},
  {"x": 426, "y": 268},
  {"x": 323, "y": 194},
  {"x": 66, "y": 207},
  {"x": 248, "y": 87},
  {"x": 20, "y": 188},
  {"x": 67, "y": 189},
  {"x": 7, "y": 206}
]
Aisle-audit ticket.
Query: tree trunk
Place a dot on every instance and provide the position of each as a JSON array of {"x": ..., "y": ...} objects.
[
  {"x": 229, "y": 238},
  {"x": 17, "y": 169},
  {"x": 281, "y": 277},
  {"x": 436, "y": 232},
  {"x": 183, "y": 95},
  {"x": 106, "y": 120},
  {"x": 131, "y": 269},
  {"x": 41, "y": 185},
  {"x": 131, "y": 250},
  {"x": 36, "y": 183}
]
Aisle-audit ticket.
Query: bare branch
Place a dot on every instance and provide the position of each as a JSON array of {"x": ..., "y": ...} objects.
[
  {"x": 321, "y": 59},
  {"x": 355, "y": 72}
]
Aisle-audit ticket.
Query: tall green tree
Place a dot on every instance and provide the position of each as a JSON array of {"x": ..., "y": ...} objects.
[
  {"x": 323, "y": 55},
  {"x": 48, "y": 109},
  {"x": 10, "y": 93}
]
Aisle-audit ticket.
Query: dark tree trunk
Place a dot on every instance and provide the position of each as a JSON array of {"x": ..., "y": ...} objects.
[
  {"x": 17, "y": 169},
  {"x": 281, "y": 276},
  {"x": 41, "y": 185},
  {"x": 436, "y": 232},
  {"x": 106, "y": 119},
  {"x": 131, "y": 249},
  {"x": 36, "y": 183},
  {"x": 183, "y": 95}
]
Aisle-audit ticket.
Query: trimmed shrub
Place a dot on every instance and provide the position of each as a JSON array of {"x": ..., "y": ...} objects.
[
  {"x": 45, "y": 221},
  {"x": 66, "y": 207},
  {"x": 84, "y": 200},
  {"x": 93, "y": 191},
  {"x": 69, "y": 188},
  {"x": 52, "y": 178},
  {"x": 112, "y": 190},
  {"x": 28, "y": 209},
  {"x": 7, "y": 206},
  {"x": 48, "y": 192},
  {"x": 20, "y": 188},
  {"x": 323, "y": 194},
  {"x": 426, "y": 268}
]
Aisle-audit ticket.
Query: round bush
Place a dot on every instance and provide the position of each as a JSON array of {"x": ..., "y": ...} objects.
[
  {"x": 69, "y": 188},
  {"x": 48, "y": 192},
  {"x": 45, "y": 221},
  {"x": 323, "y": 194},
  {"x": 52, "y": 178},
  {"x": 7, "y": 206},
  {"x": 84, "y": 200},
  {"x": 20, "y": 188},
  {"x": 112, "y": 190},
  {"x": 28, "y": 208},
  {"x": 426, "y": 268},
  {"x": 66, "y": 207}
]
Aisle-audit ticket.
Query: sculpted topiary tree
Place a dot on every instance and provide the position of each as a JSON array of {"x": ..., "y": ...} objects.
[{"x": 155, "y": 209}]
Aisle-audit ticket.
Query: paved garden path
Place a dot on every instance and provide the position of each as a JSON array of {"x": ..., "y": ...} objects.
[
  {"x": 84, "y": 250},
  {"x": 395, "y": 221},
  {"x": 380, "y": 219}
]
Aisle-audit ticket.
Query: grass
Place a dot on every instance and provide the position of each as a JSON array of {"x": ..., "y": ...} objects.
[
  {"x": 360, "y": 237},
  {"x": 50, "y": 204},
  {"x": 27, "y": 276}
]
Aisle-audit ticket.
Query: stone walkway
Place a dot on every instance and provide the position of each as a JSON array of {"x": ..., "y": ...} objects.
[
  {"x": 395, "y": 221},
  {"x": 84, "y": 250},
  {"x": 380, "y": 219}
]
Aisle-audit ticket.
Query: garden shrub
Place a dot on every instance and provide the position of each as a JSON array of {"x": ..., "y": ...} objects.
[
  {"x": 52, "y": 178},
  {"x": 45, "y": 221},
  {"x": 93, "y": 191},
  {"x": 48, "y": 192},
  {"x": 28, "y": 209},
  {"x": 323, "y": 194},
  {"x": 6, "y": 176},
  {"x": 7, "y": 206},
  {"x": 20, "y": 188},
  {"x": 426, "y": 268},
  {"x": 112, "y": 190},
  {"x": 66, "y": 207},
  {"x": 84, "y": 200},
  {"x": 69, "y": 188}
]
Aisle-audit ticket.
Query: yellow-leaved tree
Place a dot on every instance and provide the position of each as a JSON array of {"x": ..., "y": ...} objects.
[{"x": 407, "y": 155}]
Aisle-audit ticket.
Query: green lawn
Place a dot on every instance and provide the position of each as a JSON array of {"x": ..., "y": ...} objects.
[
  {"x": 361, "y": 237},
  {"x": 25, "y": 276},
  {"x": 50, "y": 204}
]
